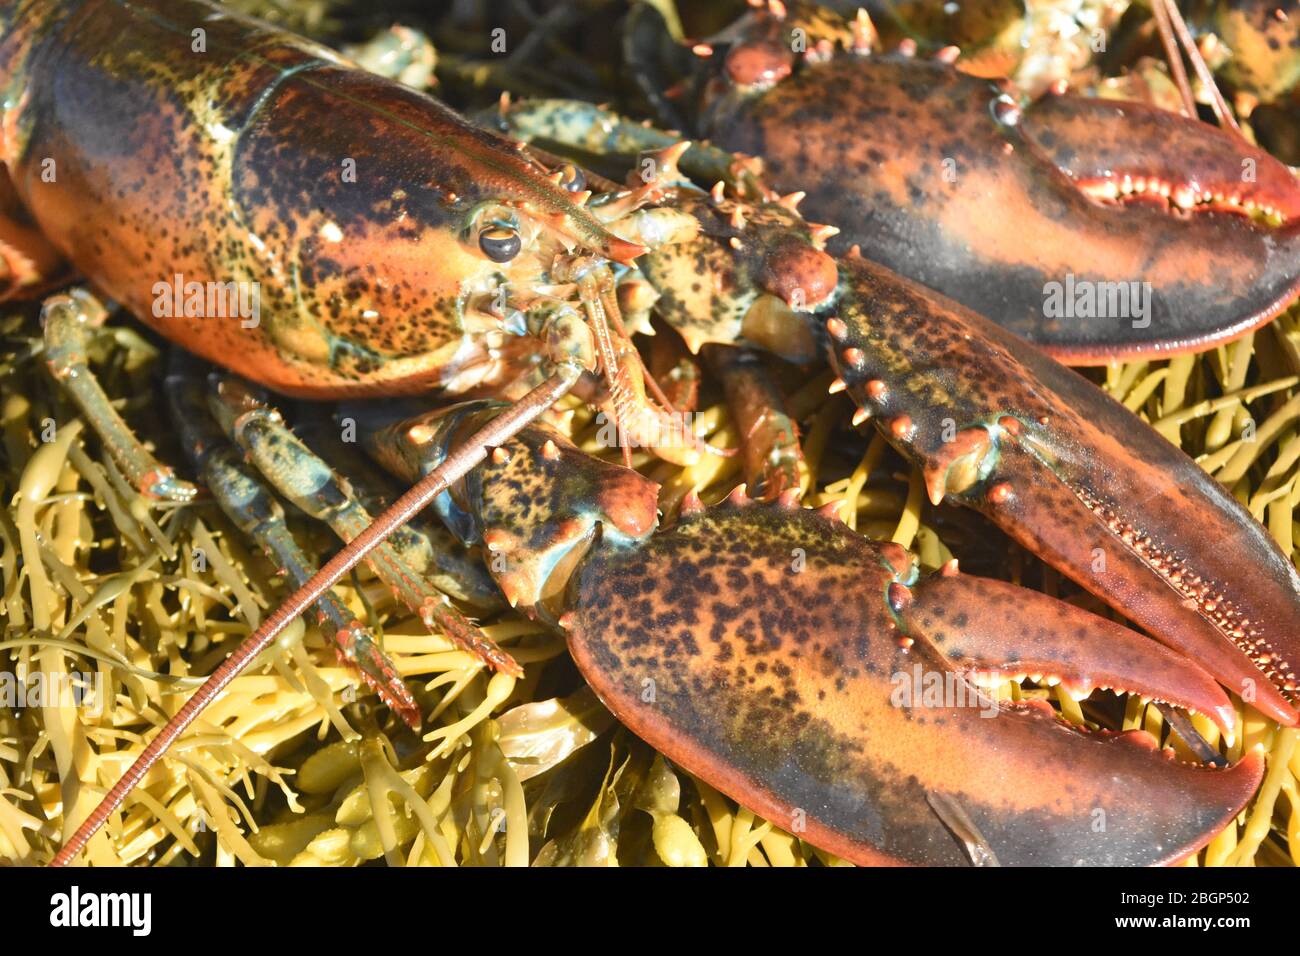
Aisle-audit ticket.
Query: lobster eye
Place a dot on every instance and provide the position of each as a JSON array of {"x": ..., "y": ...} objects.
[
  {"x": 573, "y": 178},
  {"x": 499, "y": 243}
]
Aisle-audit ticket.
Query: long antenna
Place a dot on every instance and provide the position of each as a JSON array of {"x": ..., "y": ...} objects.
[{"x": 457, "y": 464}]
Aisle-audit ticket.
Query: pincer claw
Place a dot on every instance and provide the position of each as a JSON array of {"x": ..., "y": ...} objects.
[{"x": 830, "y": 696}]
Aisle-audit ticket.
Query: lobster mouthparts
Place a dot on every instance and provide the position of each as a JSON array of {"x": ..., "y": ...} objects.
[
  {"x": 812, "y": 676},
  {"x": 1097, "y": 230}
]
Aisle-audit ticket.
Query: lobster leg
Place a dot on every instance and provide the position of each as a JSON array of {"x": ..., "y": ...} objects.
[
  {"x": 68, "y": 320},
  {"x": 537, "y": 504},
  {"x": 1075, "y": 477},
  {"x": 457, "y": 463},
  {"x": 426, "y": 546},
  {"x": 786, "y": 661},
  {"x": 310, "y": 484},
  {"x": 769, "y": 437},
  {"x": 256, "y": 512}
]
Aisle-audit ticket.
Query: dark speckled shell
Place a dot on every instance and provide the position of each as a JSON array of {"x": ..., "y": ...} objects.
[
  {"x": 235, "y": 164},
  {"x": 775, "y": 685},
  {"x": 906, "y": 157}
]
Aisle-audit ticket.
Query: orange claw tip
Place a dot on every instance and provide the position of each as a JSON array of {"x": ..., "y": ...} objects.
[
  {"x": 500, "y": 456},
  {"x": 860, "y": 416},
  {"x": 789, "y": 498},
  {"x": 837, "y": 386},
  {"x": 949, "y": 568},
  {"x": 621, "y": 250}
]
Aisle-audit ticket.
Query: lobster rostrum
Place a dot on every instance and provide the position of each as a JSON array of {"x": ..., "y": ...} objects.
[
  {"x": 743, "y": 272},
  {"x": 956, "y": 182}
]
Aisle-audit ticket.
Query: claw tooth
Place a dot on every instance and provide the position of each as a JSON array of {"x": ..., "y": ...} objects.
[
  {"x": 500, "y": 456},
  {"x": 789, "y": 498},
  {"x": 949, "y": 568},
  {"x": 739, "y": 495},
  {"x": 837, "y": 386},
  {"x": 860, "y": 416},
  {"x": 691, "y": 503},
  {"x": 549, "y": 450}
]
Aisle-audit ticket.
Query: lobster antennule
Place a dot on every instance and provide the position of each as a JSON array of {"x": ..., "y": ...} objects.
[{"x": 813, "y": 703}]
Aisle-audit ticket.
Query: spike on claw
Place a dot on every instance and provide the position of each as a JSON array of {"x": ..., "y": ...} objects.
[
  {"x": 740, "y": 496},
  {"x": 691, "y": 503},
  {"x": 832, "y": 510}
]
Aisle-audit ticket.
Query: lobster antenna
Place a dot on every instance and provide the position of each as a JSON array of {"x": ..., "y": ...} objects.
[
  {"x": 1173, "y": 33},
  {"x": 1174, "y": 57},
  {"x": 495, "y": 433}
]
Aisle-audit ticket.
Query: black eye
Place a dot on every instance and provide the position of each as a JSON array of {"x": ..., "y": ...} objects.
[
  {"x": 574, "y": 180},
  {"x": 499, "y": 243}
]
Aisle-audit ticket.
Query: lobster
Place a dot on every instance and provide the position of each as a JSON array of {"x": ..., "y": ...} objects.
[{"x": 1037, "y": 447}]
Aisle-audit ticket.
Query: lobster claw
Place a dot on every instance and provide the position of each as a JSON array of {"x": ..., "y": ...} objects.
[
  {"x": 1171, "y": 188},
  {"x": 814, "y": 677},
  {"x": 1074, "y": 477},
  {"x": 1127, "y": 241}
]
